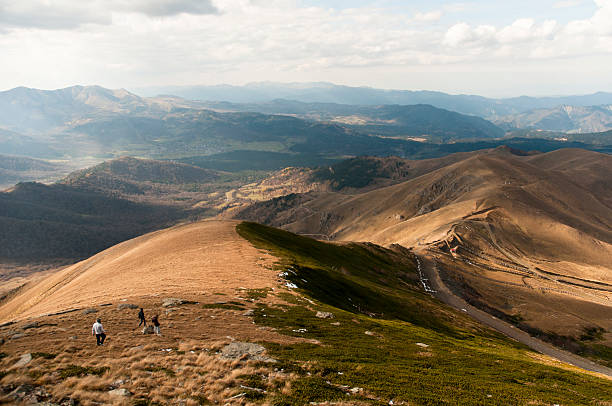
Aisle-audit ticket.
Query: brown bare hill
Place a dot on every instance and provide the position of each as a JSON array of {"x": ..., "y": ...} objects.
[
  {"x": 184, "y": 260},
  {"x": 534, "y": 232}
]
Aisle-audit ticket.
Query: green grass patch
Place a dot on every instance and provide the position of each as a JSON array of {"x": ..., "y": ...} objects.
[
  {"x": 75, "y": 370},
  {"x": 256, "y": 294},
  {"x": 380, "y": 318},
  {"x": 252, "y": 381},
  {"x": 157, "y": 368}
]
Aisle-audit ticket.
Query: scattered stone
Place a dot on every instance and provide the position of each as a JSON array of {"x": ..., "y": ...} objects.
[
  {"x": 335, "y": 323},
  {"x": 73, "y": 337},
  {"x": 120, "y": 382},
  {"x": 241, "y": 350},
  {"x": 138, "y": 347},
  {"x": 249, "y": 312},
  {"x": 370, "y": 333},
  {"x": 356, "y": 390},
  {"x": 325, "y": 315},
  {"x": 30, "y": 395},
  {"x": 172, "y": 302},
  {"x": 120, "y": 392},
  {"x": 23, "y": 361},
  {"x": 89, "y": 311},
  {"x": 28, "y": 326},
  {"x": 147, "y": 330},
  {"x": 123, "y": 306},
  {"x": 16, "y": 336},
  {"x": 422, "y": 345}
]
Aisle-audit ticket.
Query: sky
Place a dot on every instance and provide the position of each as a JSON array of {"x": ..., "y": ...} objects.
[{"x": 492, "y": 48}]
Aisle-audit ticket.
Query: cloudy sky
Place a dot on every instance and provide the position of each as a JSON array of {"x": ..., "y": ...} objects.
[{"x": 493, "y": 48}]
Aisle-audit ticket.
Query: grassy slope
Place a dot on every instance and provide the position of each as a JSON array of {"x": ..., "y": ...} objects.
[{"x": 372, "y": 289}]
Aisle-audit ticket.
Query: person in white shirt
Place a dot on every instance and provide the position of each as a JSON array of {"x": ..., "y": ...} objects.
[{"x": 99, "y": 332}]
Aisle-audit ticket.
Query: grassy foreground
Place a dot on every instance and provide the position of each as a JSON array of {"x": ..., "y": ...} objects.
[{"x": 387, "y": 341}]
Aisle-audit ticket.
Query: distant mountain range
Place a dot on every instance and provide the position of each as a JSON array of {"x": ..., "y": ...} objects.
[
  {"x": 331, "y": 93},
  {"x": 93, "y": 121},
  {"x": 564, "y": 118}
]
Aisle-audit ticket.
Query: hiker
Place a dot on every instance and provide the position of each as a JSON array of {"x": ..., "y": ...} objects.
[
  {"x": 99, "y": 332},
  {"x": 141, "y": 317},
  {"x": 155, "y": 322}
]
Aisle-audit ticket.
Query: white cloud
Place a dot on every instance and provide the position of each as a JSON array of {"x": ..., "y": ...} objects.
[
  {"x": 71, "y": 14},
  {"x": 430, "y": 16},
  {"x": 568, "y": 3},
  {"x": 187, "y": 41}
]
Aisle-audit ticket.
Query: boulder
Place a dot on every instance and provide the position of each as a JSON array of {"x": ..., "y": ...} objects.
[
  {"x": 23, "y": 361},
  {"x": 123, "y": 306},
  {"x": 325, "y": 315},
  {"x": 120, "y": 392},
  {"x": 241, "y": 350},
  {"x": 89, "y": 311},
  {"x": 147, "y": 330},
  {"x": 16, "y": 336}
]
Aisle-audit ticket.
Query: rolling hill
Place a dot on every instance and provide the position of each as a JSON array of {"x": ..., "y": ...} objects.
[
  {"x": 421, "y": 121},
  {"x": 531, "y": 231},
  {"x": 236, "y": 331}
]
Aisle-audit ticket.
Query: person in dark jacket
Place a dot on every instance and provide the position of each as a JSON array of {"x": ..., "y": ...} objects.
[
  {"x": 141, "y": 317},
  {"x": 155, "y": 321}
]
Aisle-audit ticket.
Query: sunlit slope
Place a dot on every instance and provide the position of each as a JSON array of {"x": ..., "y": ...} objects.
[
  {"x": 186, "y": 260},
  {"x": 532, "y": 233}
]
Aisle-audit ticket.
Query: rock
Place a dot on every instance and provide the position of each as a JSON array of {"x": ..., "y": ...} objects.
[
  {"x": 138, "y": 347},
  {"x": 123, "y": 306},
  {"x": 120, "y": 392},
  {"x": 119, "y": 382},
  {"x": 28, "y": 326},
  {"x": 336, "y": 323},
  {"x": 173, "y": 301},
  {"x": 16, "y": 336},
  {"x": 370, "y": 333},
  {"x": 147, "y": 330},
  {"x": 23, "y": 361},
  {"x": 325, "y": 315},
  {"x": 422, "y": 345},
  {"x": 241, "y": 350},
  {"x": 30, "y": 395},
  {"x": 73, "y": 337},
  {"x": 249, "y": 312},
  {"x": 89, "y": 311},
  {"x": 356, "y": 390}
]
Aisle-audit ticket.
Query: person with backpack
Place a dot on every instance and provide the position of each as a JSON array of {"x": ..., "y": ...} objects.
[
  {"x": 98, "y": 330},
  {"x": 155, "y": 321}
]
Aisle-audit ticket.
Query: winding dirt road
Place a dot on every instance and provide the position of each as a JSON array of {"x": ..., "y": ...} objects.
[{"x": 442, "y": 292}]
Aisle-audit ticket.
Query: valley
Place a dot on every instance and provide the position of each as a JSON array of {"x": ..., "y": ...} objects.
[{"x": 430, "y": 238}]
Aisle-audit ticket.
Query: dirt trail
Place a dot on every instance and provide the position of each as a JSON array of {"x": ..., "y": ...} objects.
[{"x": 444, "y": 294}]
